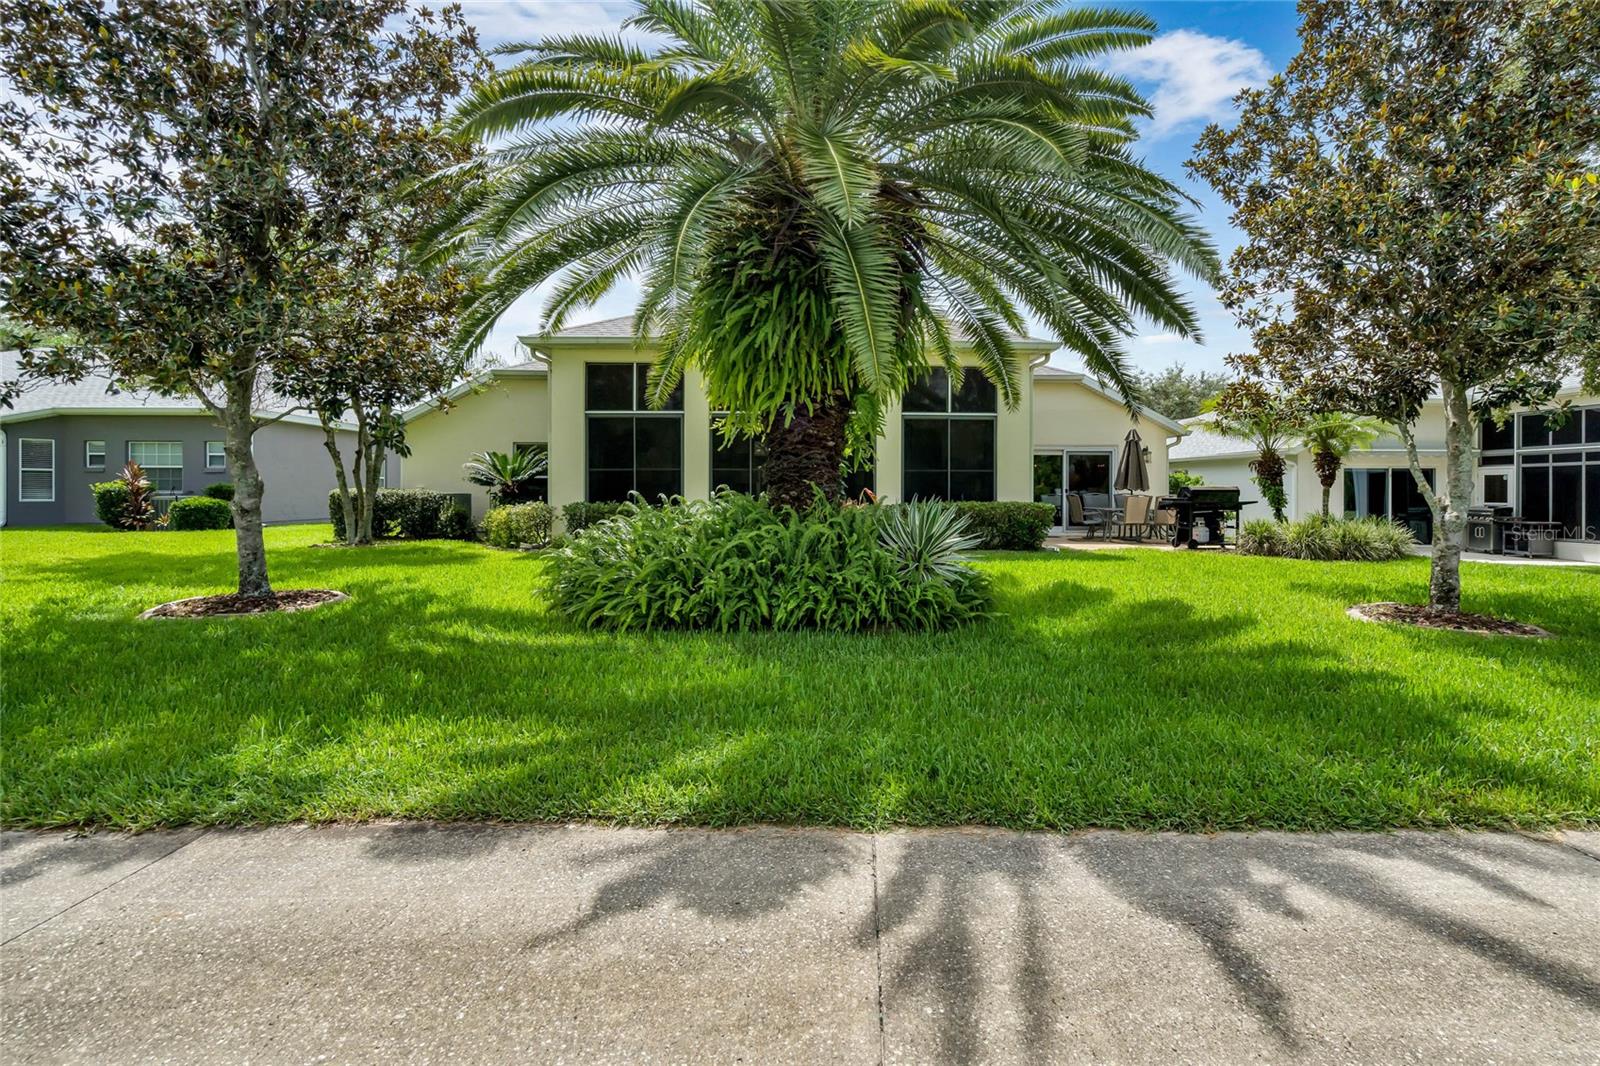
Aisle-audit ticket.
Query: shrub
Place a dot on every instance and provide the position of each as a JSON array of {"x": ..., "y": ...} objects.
[
  {"x": 1179, "y": 479},
  {"x": 415, "y": 514},
  {"x": 1262, "y": 536},
  {"x": 735, "y": 563},
  {"x": 110, "y": 502},
  {"x": 1009, "y": 525},
  {"x": 219, "y": 490},
  {"x": 199, "y": 512},
  {"x": 126, "y": 502},
  {"x": 580, "y": 516},
  {"x": 518, "y": 525},
  {"x": 455, "y": 523},
  {"x": 1370, "y": 540}
]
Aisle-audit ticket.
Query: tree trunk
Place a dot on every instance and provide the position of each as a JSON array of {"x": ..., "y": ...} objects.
[
  {"x": 372, "y": 466},
  {"x": 238, "y": 424},
  {"x": 330, "y": 441},
  {"x": 1269, "y": 469},
  {"x": 806, "y": 453},
  {"x": 1327, "y": 465},
  {"x": 1449, "y": 505}
]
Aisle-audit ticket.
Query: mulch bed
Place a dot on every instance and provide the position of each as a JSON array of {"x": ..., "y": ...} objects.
[
  {"x": 1415, "y": 614},
  {"x": 233, "y": 605}
]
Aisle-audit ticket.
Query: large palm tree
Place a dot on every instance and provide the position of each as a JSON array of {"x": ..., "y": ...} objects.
[
  {"x": 1331, "y": 436},
  {"x": 822, "y": 197}
]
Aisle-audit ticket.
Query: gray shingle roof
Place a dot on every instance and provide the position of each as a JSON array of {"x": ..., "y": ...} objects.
[
  {"x": 1203, "y": 442},
  {"x": 98, "y": 392},
  {"x": 95, "y": 391}
]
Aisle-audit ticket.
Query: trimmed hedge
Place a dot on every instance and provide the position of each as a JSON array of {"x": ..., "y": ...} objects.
[
  {"x": 199, "y": 512},
  {"x": 735, "y": 563},
  {"x": 1365, "y": 540},
  {"x": 580, "y": 516},
  {"x": 412, "y": 514},
  {"x": 110, "y": 502},
  {"x": 1007, "y": 525},
  {"x": 219, "y": 490},
  {"x": 518, "y": 525}
]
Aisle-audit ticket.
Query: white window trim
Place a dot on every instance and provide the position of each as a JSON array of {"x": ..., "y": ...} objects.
[
  {"x": 87, "y": 465},
  {"x": 22, "y": 443},
  {"x": 222, "y": 455},
  {"x": 128, "y": 451}
]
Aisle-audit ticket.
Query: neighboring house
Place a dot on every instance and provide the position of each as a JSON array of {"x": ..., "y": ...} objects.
[
  {"x": 1539, "y": 473},
  {"x": 581, "y": 400},
  {"x": 59, "y": 439}
]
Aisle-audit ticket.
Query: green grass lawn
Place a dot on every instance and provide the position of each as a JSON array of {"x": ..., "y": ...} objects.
[{"x": 1128, "y": 688}]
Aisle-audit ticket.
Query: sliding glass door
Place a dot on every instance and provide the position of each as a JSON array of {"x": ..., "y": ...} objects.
[{"x": 1061, "y": 473}]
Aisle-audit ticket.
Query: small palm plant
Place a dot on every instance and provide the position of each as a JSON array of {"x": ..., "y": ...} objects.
[
  {"x": 1333, "y": 435},
  {"x": 510, "y": 477}
]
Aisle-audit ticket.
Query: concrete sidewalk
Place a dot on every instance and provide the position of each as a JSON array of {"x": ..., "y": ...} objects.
[{"x": 416, "y": 943}]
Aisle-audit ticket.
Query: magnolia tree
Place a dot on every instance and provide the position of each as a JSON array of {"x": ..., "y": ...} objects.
[
  {"x": 381, "y": 346},
  {"x": 179, "y": 182},
  {"x": 1422, "y": 217}
]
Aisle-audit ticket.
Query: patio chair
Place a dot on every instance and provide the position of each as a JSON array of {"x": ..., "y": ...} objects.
[
  {"x": 1164, "y": 524},
  {"x": 1135, "y": 517},
  {"x": 1077, "y": 517}
]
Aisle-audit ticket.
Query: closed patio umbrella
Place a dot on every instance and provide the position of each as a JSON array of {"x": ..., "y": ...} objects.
[{"x": 1132, "y": 476}]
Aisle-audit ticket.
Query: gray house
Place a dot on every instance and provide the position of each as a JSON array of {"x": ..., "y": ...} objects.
[{"x": 59, "y": 439}]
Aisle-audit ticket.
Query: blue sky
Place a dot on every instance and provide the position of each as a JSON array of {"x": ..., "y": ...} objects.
[{"x": 1203, "y": 53}]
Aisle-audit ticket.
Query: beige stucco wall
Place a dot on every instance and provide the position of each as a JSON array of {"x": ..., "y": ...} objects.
[
  {"x": 505, "y": 411},
  {"x": 1051, "y": 414},
  {"x": 1013, "y": 448},
  {"x": 1068, "y": 414},
  {"x": 569, "y": 442}
]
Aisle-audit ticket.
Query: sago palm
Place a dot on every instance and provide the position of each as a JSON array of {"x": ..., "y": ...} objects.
[
  {"x": 1332, "y": 436},
  {"x": 821, "y": 198}
]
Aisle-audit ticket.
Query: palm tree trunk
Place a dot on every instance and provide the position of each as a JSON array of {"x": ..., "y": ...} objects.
[{"x": 806, "y": 453}]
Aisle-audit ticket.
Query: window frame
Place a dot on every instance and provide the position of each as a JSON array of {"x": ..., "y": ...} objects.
[
  {"x": 88, "y": 464},
  {"x": 753, "y": 466},
  {"x": 1539, "y": 461},
  {"x": 222, "y": 454},
  {"x": 948, "y": 417},
  {"x": 634, "y": 414},
  {"x": 22, "y": 443},
  {"x": 149, "y": 467},
  {"x": 543, "y": 480}
]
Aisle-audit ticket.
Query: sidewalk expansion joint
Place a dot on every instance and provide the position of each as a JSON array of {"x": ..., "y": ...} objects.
[
  {"x": 140, "y": 869},
  {"x": 877, "y": 948}
]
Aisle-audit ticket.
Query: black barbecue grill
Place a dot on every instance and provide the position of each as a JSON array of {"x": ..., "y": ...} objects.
[{"x": 1204, "y": 507}]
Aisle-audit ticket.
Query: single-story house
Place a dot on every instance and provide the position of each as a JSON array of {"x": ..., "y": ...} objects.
[
  {"x": 581, "y": 400},
  {"x": 1538, "y": 472},
  {"x": 60, "y": 438}
]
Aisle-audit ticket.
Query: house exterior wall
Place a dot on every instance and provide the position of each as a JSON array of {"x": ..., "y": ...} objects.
[
  {"x": 507, "y": 411},
  {"x": 291, "y": 456},
  {"x": 550, "y": 409},
  {"x": 1069, "y": 415},
  {"x": 1305, "y": 492}
]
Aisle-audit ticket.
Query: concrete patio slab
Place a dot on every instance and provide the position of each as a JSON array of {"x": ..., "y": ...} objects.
[{"x": 412, "y": 943}]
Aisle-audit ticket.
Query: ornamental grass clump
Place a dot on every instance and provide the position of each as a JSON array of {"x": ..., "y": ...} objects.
[
  {"x": 1364, "y": 540},
  {"x": 735, "y": 563}
]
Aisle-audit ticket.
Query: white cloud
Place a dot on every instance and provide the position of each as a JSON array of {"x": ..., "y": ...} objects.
[
  {"x": 502, "y": 21},
  {"x": 1195, "y": 76}
]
